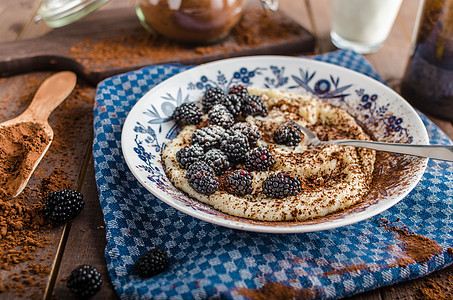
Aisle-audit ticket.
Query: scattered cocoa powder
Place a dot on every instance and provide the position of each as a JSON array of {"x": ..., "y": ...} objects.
[
  {"x": 22, "y": 145},
  {"x": 24, "y": 232},
  {"x": 275, "y": 291},
  {"x": 257, "y": 27}
]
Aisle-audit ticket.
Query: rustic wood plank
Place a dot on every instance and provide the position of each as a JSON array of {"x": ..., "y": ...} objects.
[
  {"x": 86, "y": 242},
  {"x": 14, "y": 15}
]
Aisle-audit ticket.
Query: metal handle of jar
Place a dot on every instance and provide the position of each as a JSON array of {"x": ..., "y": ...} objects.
[{"x": 270, "y": 4}]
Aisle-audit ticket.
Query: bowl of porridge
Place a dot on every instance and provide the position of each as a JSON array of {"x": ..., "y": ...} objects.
[{"x": 221, "y": 142}]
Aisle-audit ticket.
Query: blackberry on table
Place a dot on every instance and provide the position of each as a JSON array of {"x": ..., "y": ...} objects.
[
  {"x": 84, "y": 281},
  {"x": 238, "y": 182},
  {"x": 239, "y": 90},
  {"x": 253, "y": 105},
  {"x": 281, "y": 185},
  {"x": 187, "y": 113},
  {"x": 259, "y": 159},
  {"x": 208, "y": 137},
  {"x": 201, "y": 178},
  {"x": 188, "y": 155},
  {"x": 288, "y": 134},
  {"x": 217, "y": 160},
  {"x": 235, "y": 147},
  {"x": 250, "y": 131},
  {"x": 233, "y": 103},
  {"x": 212, "y": 97},
  {"x": 221, "y": 116},
  {"x": 153, "y": 262},
  {"x": 63, "y": 205}
]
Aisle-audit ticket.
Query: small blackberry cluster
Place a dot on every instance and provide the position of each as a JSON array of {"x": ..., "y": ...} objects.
[
  {"x": 217, "y": 160},
  {"x": 259, "y": 159},
  {"x": 186, "y": 114},
  {"x": 202, "y": 178},
  {"x": 221, "y": 116},
  {"x": 281, "y": 185},
  {"x": 153, "y": 262},
  {"x": 238, "y": 182},
  {"x": 208, "y": 137},
  {"x": 63, "y": 205},
  {"x": 84, "y": 281},
  {"x": 223, "y": 154},
  {"x": 235, "y": 147},
  {"x": 288, "y": 134},
  {"x": 188, "y": 155}
]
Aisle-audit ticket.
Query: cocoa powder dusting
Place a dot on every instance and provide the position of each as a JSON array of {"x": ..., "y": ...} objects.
[
  {"x": 257, "y": 27},
  {"x": 22, "y": 145},
  {"x": 25, "y": 264},
  {"x": 275, "y": 291}
]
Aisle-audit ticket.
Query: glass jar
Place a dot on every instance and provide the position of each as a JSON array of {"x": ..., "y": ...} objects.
[
  {"x": 58, "y": 13},
  {"x": 428, "y": 80},
  {"x": 191, "y": 21}
]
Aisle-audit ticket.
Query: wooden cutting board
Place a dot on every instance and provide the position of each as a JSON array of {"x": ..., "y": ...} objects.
[{"x": 110, "y": 42}]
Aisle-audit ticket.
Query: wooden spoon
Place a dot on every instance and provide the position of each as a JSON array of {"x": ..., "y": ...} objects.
[{"x": 25, "y": 139}]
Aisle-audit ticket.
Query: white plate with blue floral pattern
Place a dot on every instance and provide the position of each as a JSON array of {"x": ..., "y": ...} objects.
[{"x": 379, "y": 109}]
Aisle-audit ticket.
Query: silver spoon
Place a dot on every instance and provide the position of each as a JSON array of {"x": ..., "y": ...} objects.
[{"x": 442, "y": 152}]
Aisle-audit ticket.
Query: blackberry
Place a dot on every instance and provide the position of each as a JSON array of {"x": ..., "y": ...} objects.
[
  {"x": 84, "y": 281},
  {"x": 288, "y": 134},
  {"x": 238, "y": 182},
  {"x": 186, "y": 114},
  {"x": 188, "y": 155},
  {"x": 233, "y": 103},
  {"x": 253, "y": 105},
  {"x": 63, "y": 205},
  {"x": 281, "y": 185},
  {"x": 208, "y": 137},
  {"x": 259, "y": 159},
  {"x": 202, "y": 179},
  {"x": 250, "y": 131},
  {"x": 211, "y": 97},
  {"x": 239, "y": 90},
  {"x": 235, "y": 147},
  {"x": 217, "y": 160},
  {"x": 151, "y": 263},
  {"x": 221, "y": 116}
]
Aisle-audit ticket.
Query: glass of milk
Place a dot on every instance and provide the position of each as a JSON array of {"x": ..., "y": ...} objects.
[{"x": 362, "y": 25}]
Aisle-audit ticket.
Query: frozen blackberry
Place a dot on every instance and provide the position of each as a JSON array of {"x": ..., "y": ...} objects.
[
  {"x": 84, "y": 281},
  {"x": 202, "y": 179},
  {"x": 239, "y": 90},
  {"x": 153, "y": 262},
  {"x": 63, "y": 205},
  {"x": 221, "y": 116},
  {"x": 281, "y": 185},
  {"x": 216, "y": 159},
  {"x": 259, "y": 159},
  {"x": 253, "y": 105},
  {"x": 188, "y": 155},
  {"x": 238, "y": 182},
  {"x": 235, "y": 147},
  {"x": 211, "y": 97},
  {"x": 233, "y": 103},
  {"x": 186, "y": 114},
  {"x": 288, "y": 134},
  {"x": 250, "y": 131},
  {"x": 208, "y": 137}
]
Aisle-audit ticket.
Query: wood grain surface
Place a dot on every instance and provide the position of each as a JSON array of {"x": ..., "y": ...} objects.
[{"x": 83, "y": 239}]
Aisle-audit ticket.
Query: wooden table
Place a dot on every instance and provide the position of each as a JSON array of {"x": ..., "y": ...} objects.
[{"x": 83, "y": 240}]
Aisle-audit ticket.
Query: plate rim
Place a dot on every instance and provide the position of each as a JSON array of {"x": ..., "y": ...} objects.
[{"x": 303, "y": 228}]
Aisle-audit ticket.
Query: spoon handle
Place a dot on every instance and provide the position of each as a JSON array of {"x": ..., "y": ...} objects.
[
  {"x": 48, "y": 96},
  {"x": 441, "y": 152}
]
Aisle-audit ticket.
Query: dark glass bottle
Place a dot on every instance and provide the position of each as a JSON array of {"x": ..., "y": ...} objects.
[{"x": 428, "y": 80}]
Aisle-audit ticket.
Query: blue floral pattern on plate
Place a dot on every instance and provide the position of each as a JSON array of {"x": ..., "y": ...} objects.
[{"x": 380, "y": 110}]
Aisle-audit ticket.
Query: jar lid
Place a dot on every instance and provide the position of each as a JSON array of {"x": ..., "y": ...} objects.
[{"x": 58, "y": 13}]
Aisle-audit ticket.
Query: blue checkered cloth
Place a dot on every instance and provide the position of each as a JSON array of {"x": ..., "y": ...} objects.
[{"x": 209, "y": 261}]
